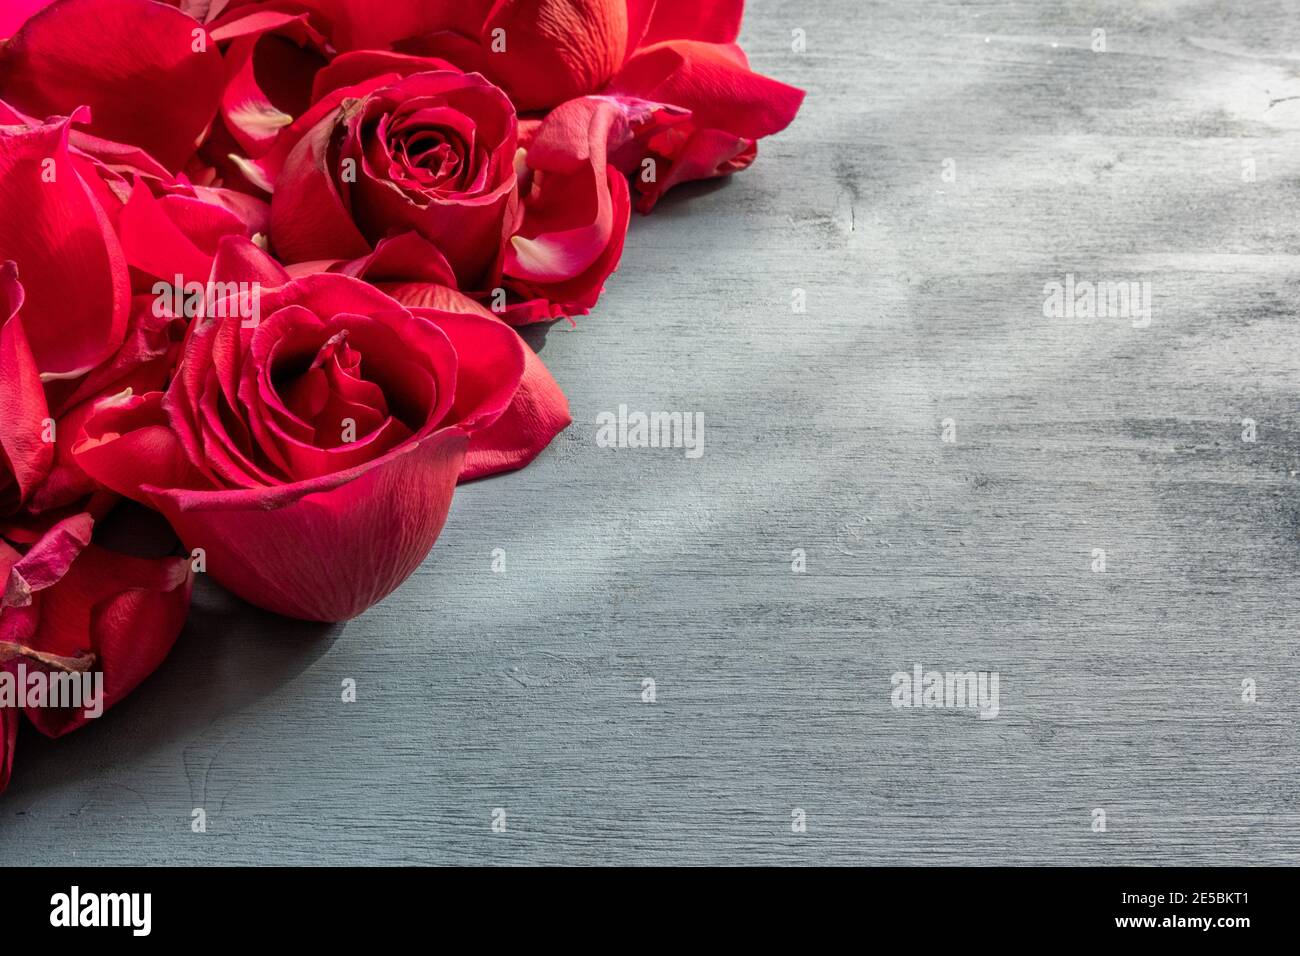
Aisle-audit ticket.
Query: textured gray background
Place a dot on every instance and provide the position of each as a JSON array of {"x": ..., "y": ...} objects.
[{"x": 1119, "y": 690}]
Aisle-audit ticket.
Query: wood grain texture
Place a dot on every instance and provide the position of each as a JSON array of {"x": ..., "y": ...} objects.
[{"x": 1119, "y": 690}]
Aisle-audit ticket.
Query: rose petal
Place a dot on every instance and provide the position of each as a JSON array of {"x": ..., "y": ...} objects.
[
  {"x": 150, "y": 74},
  {"x": 47, "y": 561},
  {"x": 714, "y": 82},
  {"x": 126, "y": 611},
  {"x": 329, "y": 554},
  {"x": 52, "y": 227},
  {"x": 714, "y": 21},
  {"x": 555, "y": 50},
  {"x": 537, "y": 413},
  {"x": 24, "y": 454}
]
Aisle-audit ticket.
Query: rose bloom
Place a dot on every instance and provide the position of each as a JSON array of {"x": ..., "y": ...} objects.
[
  {"x": 393, "y": 148},
  {"x": 673, "y": 61},
  {"x": 312, "y": 454},
  {"x": 431, "y": 153}
]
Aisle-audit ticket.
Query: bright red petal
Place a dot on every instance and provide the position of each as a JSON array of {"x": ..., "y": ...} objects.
[
  {"x": 150, "y": 74},
  {"x": 53, "y": 228}
]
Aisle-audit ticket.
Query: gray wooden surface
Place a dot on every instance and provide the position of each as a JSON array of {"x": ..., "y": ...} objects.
[{"x": 1119, "y": 690}]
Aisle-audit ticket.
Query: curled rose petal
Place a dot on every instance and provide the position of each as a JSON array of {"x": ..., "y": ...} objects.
[
  {"x": 555, "y": 50},
  {"x": 116, "y": 56},
  {"x": 714, "y": 82},
  {"x": 271, "y": 57},
  {"x": 538, "y": 412},
  {"x": 576, "y": 211},
  {"x": 122, "y": 612},
  {"x": 25, "y": 455},
  {"x": 51, "y": 225},
  {"x": 46, "y": 563}
]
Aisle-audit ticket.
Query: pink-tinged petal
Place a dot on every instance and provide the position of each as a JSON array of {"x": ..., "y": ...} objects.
[
  {"x": 149, "y": 73},
  {"x": 25, "y": 455},
  {"x": 537, "y": 412},
  {"x": 156, "y": 245},
  {"x": 47, "y": 561},
  {"x": 328, "y": 554},
  {"x": 713, "y": 21},
  {"x": 714, "y": 83},
  {"x": 123, "y": 611},
  {"x": 53, "y": 228},
  {"x": 576, "y": 212},
  {"x": 556, "y": 50}
]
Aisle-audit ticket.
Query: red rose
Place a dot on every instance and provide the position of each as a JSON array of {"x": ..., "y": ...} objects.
[
  {"x": 434, "y": 156},
  {"x": 312, "y": 454},
  {"x": 673, "y": 64},
  {"x": 431, "y": 153}
]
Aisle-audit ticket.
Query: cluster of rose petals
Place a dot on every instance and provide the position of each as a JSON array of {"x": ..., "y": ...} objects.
[{"x": 370, "y": 197}]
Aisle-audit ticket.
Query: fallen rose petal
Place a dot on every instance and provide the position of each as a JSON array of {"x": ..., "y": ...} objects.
[
  {"x": 53, "y": 228},
  {"x": 555, "y": 50},
  {"x": 25, "y": 455},
  {"x": 148, "y": 72},
  {"x": 713, "y": 21},
  {"x": 576, "y": 212},
  {"x": 47, "y": 561},
  {"x": 714, "y": 82},
  {"x": 123, "y": 611}
]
